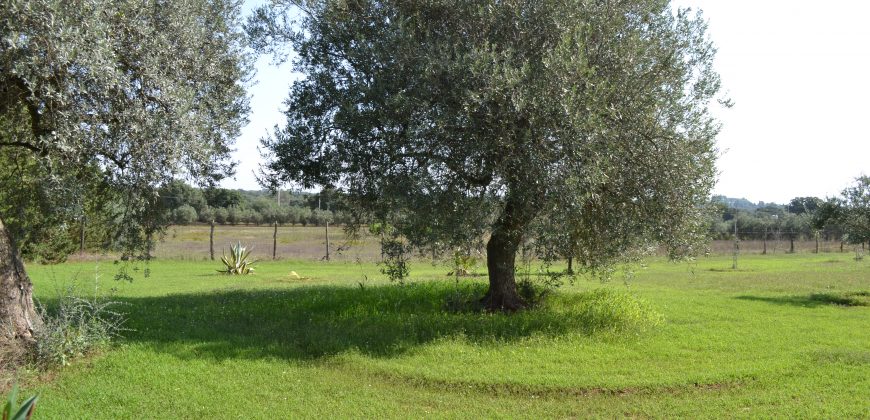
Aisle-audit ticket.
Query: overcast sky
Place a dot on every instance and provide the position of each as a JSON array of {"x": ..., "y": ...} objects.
[{"x": 797, "y": 71}]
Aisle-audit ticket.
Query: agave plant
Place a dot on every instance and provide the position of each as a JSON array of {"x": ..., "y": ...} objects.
[
  {"x": 238, "y": 262},
  {"x": 11, "y": 411}
]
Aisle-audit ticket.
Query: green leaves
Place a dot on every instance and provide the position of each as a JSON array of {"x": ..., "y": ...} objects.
[
  {"x": 237, "y": 263},
  {"x": 430, "y": 114},
  {"x": 11, "y": 411},
  {"x": 854, "y": 213},
  {"x": 114, "y": 99}
]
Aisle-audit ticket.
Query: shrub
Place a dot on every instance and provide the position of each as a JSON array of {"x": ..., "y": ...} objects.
[
  {"x": 234, "y": 215},
  {"x": 75, "y": 327},
  {"x": 533, "y": 294},
  {"x": 206, "y": 215},
  {"x": 220, "y": 215},
  {"x": 464, "y": 263},
  {"x": 184, "y": 215}
]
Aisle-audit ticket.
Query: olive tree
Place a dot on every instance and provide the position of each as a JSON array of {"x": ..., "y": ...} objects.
[
  {"x": 450, "y": 120},
  {"x": 854, "y": 211},
  {"x": 103, "y": 102}
]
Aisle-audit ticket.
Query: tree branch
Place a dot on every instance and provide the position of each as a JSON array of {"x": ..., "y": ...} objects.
[{"x": 25, "y": 145}]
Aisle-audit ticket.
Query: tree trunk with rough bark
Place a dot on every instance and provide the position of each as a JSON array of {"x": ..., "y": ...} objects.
[
  {"x": 18, "y": 319},
  {"x": 501, "y": 251}
]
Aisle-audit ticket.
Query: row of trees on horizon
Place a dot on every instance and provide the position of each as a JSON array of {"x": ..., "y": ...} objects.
[
  {"x": 845, "y": 218},
  {"x": 183, "y": 204},
  {"x": 802, "y": 218}
]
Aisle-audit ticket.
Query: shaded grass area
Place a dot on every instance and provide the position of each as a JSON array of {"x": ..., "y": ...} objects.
[
  {"x": 860, "y": 298},
  {"x": 315, "y": 321},
  {"x": 676, "y": 341},
  {"x": 381, "y": 321}
]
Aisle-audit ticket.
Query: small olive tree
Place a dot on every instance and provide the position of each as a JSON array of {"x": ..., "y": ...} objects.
[{"x": 854, "y": 211}]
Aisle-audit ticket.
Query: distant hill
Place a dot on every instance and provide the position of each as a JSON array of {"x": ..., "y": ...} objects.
[{"x": 740, "y": 203}]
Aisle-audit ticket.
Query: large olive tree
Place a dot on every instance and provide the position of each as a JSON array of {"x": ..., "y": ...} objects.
[
  {"x": 583, "y": 125},
  {"x": 101, "y": 102}
]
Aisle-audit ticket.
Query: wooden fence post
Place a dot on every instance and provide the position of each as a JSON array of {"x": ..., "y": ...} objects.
[
  {"x": 82, "y": 238},
  {"x": 275, "y": 241},
  {"x": 211, "y": 241},
  {"x": 327, "y": 241},
  {"x": 736, "y": 247}
]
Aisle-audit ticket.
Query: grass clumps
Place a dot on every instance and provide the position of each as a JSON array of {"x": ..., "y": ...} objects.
[
  {"x": 609, "y": 311},
  {"x": 74, "y": 326}
]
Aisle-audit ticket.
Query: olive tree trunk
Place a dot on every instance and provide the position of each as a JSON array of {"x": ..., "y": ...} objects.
[
  {"x": 501, "y": 251},
  {"x": 18, "y": 319}
]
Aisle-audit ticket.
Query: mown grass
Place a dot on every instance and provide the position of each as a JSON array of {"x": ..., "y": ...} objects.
[{"x": 772, "y": 339}]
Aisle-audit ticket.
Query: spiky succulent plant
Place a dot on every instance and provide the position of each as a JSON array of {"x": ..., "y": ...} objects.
[{"x": 238, "y": 262}]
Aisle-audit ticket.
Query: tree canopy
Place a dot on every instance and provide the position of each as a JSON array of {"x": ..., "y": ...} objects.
[
  {"x": 582, "y": 126},
  {"x": 125, "y": 95},
  {"x": 101, "y": 103},
  {"x": 853, "y": 211}
]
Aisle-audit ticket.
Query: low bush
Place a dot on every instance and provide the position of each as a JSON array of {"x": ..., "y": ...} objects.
[
  {"x": 609, "y": 311},
  {"x": 75, "y": 326}
]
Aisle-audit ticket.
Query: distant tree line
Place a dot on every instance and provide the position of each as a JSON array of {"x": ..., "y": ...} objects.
[
  {"x": 183, "y": 204},
  {"x": 845, "y": 218}
]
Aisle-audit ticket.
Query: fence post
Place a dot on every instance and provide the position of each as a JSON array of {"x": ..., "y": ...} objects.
[
  {"x": 736, "y": 247},
  {"x": 82, "y": 238},
  {"x": 275, "y": 241},
  {"x": 327, "y": 241},
  {"x": 211, "y": 241}
]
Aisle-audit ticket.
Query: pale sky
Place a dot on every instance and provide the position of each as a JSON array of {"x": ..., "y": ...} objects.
[{"x": 797, "y": 71}]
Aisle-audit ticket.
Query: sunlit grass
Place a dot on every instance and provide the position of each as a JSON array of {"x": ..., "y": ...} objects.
[{"x": 770, "y": 339}]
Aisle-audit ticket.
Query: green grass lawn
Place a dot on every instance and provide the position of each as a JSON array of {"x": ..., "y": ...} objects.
[{"x": 774, "y": 338}]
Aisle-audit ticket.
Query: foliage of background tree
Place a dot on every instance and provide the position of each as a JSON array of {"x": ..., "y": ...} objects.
[
  {"x": 804, "y": 205},
  {"x": 452, "y": 120},
  {"x": 854, "y": 211},
  {"x": 101, "y": 103}
]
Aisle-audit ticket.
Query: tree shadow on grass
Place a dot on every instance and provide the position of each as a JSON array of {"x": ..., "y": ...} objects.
[
  {"x": 816, "y": 299},
  {"x": 312, "y": 322}
]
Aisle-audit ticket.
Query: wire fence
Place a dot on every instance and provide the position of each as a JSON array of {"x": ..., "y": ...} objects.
[{"x": 196, "y": 242}]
